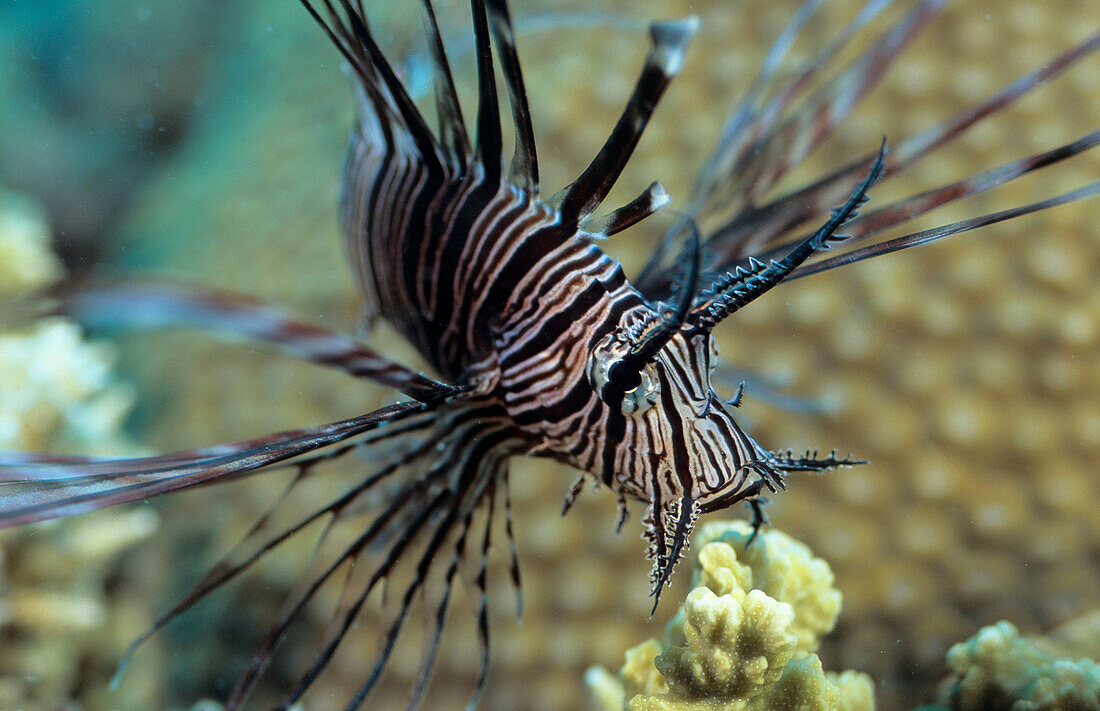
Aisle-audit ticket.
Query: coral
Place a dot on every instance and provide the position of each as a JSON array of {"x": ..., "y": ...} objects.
[
  {"x": 56, "y": 389},
  {"x": 26, "y": 261},
  {"x": 1079, "y": 637},
  {"x": 58, "y": 392},
  {"x": 745, "y": 637},
  {"x": 778, "y": 565},
  {"x": 998, "y": 669}
]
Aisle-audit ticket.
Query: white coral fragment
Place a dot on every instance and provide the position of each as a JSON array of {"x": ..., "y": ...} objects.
[{"x": 58, "y": 391}]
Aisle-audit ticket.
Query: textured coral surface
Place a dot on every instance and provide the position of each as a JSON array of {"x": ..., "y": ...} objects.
[
  {"x": 965, "y": 372},
  {"x": 744, "y": 639},
  {"x": 999, "y": 669}
]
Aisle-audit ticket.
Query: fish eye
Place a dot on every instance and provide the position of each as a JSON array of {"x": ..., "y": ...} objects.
[
  {"x": 620, "y": 384},
  {"x": 644, "y": 396},
  {"x": 622, "y": 378}
]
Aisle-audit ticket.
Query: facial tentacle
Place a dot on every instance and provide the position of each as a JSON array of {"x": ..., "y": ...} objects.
[{"x": 744, "y": 285}]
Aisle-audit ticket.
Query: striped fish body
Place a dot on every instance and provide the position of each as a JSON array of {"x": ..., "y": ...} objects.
[
  {"x": 495, "y": 291},
  {"x": 540, "y": 343},
  {"x": 431, "y": 247},
  {"x": 509, "y": 297}
]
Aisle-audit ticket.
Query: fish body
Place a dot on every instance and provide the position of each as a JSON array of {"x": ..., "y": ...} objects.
[{"x": 537, "y": 342}]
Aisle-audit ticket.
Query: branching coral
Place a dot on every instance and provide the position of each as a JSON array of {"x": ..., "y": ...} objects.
[
  {"x": 998, "y": 669},
  {"x": 744, "y": 639}
]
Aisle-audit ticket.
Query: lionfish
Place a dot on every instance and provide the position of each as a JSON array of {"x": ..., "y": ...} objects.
[{"x": 539, "y": 343}]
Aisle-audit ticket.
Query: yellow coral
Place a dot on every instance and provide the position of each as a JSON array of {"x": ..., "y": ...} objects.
[
  {"x": 857, "y": 691},
  {"x": 639, "y": 673},
  {"x": 638, "y": 677},
  {"x": 744, "y": 639},
  {"x": 734, "y": 644},
  {"x": 782, "y": 567},
  {"x": 26, "y": 261}
]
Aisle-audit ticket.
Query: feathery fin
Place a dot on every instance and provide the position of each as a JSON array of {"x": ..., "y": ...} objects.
[
  {"x": 652, "y": 336},
  {"x": 744, "y": 288},
  {"x": 452, "y": 128},
  {"x": 925, "y": 236},
  {"x": 264, "y": 536},
  {"x": 758, "y": 146},
  {"x": 669, "y": 532},
  {"x": 771, "y": 222},
  {"x": 663, "y": 62},
  {"x": 145, "y": 304},
  {"x": 902, "y": 211},
  {"x": 719, "y": 182},
  {"x": 353, "y": 38},
  {"x": 489, "y": 141},
  {"x": 652, "y": 199},
  {"x": 68, "y": 486},
  {"x": 524, "y": 168}
]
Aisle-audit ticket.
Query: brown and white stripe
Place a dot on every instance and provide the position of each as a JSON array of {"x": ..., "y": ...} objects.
[{"x": 540, "y": 344}]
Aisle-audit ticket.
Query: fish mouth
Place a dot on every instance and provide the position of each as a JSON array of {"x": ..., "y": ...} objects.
[
  {"x": 767, "y": 479},
  {"x": 728, "y": 499}
]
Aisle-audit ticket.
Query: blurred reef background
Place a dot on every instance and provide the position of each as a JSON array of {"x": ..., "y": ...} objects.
[{"x": 204, "y": 139}]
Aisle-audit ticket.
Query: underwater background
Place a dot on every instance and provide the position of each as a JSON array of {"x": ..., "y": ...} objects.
[{"x": 204, "y": 140}]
